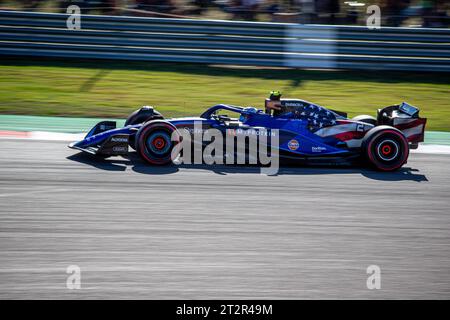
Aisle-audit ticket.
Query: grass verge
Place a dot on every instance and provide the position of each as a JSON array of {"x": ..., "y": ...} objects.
[{"x": 114, "y": 89}]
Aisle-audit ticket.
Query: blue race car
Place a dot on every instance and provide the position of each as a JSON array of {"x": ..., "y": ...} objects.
[{"x": 308, "y": 133}]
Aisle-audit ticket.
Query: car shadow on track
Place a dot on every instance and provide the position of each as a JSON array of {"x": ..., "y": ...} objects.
[{"x": 137, "y": 165}]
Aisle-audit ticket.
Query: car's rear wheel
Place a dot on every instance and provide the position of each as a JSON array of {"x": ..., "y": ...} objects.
[
  {"x": 385, "y": 148},
  {"x": 155, "y": 142}
]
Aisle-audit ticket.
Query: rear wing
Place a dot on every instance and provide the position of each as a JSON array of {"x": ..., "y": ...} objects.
[{"x": 404, "y": 117}]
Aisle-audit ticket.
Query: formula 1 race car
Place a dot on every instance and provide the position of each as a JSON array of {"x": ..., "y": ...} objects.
[{"x": 307, "y": 133}]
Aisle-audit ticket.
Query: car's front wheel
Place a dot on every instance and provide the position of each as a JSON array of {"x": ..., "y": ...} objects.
[
  {"x": 385, "y": 148},
  {"x": 155, "y": 141}
]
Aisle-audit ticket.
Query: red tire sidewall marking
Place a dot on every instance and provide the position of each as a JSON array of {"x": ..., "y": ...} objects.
[{"x": 405, "y": 150}]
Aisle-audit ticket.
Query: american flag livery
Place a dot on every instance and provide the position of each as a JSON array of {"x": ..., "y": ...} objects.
[
  {"x": 413, "y": 129},
  {"x": 350, "y": 132},
  {"x": 317, "y": 117}
]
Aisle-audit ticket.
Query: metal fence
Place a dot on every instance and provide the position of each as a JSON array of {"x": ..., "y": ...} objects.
[{"x": 225, "y": 42}]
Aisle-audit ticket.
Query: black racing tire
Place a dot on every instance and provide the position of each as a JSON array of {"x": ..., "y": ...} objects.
[
  {"x": 385, "y": 148},
  {"x": 366, "y": 119},
  {"x": 155, "y": 141}
]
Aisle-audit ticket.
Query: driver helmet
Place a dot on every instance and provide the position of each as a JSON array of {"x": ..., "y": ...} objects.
[{"x": 275, "y": 95}]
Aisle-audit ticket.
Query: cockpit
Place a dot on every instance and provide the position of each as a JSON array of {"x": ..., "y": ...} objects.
[{"x": 317, "y": 116}]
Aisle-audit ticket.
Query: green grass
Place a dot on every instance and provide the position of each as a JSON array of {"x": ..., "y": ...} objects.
[{"x": 114, "y": 89}]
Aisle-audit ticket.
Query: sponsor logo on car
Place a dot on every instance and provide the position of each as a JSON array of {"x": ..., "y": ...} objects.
[
  {"x": 293, "y": 104},
  {"x": 293, "y": 145},
  {"x": 318, "y": 149},
  {"x": 120, "y": 149},
  {"x": 251, "y": 132},
  {"x": 119, "y": 139}
]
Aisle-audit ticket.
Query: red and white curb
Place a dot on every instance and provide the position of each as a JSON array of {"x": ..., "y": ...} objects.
[
  {"x": 70, "y": 137},
  {"x": 41, "y": 135}
]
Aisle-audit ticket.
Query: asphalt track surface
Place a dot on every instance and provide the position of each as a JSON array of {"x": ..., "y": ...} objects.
[{"x": 218, "y": 232}]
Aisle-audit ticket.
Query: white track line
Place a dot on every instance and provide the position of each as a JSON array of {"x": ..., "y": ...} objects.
[
  {"x": 69, "y": 137},
  {"x": 432, "y": 149},
  {"x": 56, "y": 136}
]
